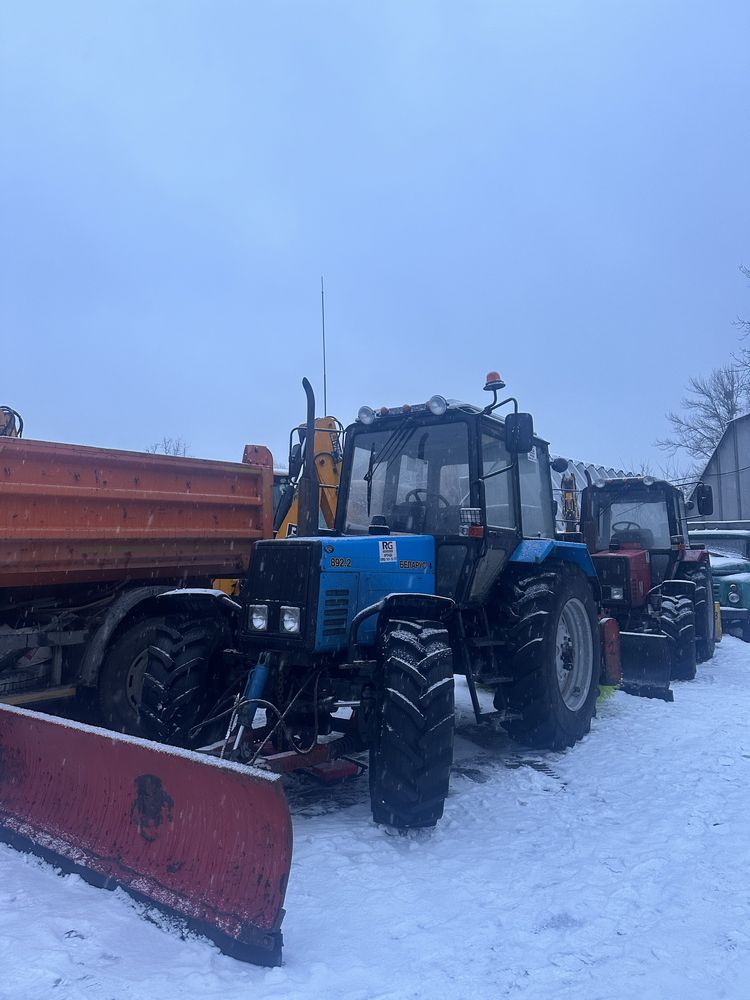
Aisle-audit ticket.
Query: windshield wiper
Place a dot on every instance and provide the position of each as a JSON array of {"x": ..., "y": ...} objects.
[
  {"x": 392, "y": 447},
  {"x": 368, "y": 477}
]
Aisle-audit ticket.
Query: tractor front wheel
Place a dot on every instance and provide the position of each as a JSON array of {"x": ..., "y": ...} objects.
[
  {"x": 705, "y": 639},
  {"x": 677, "y": 621},
  {"x": 412, "y": 740}
]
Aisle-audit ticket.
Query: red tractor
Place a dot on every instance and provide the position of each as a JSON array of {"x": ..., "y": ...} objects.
[{"x": 653, "y": 583}]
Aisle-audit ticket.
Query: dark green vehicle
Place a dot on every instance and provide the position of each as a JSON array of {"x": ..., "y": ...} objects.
[{"x": 729, "y": 552}]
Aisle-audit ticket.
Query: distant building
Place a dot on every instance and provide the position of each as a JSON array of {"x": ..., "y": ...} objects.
[
  {"x": 579, "y": 470},
  {"x": 584, "y": 474},
  {"x": 728, "y": 473}
]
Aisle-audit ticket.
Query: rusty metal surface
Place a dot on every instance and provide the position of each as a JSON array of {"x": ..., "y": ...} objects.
[
  {"x": 610, "y": 642},
  {"x": 205, "y": 839},
  {"x": 70, "y": 514}
]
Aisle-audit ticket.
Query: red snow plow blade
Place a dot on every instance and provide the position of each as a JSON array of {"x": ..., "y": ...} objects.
[{"x": 207, "y": 840}]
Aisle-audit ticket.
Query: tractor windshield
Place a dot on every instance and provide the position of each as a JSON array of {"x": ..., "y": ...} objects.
[
  {"x": 415, "y": 476},
  {"x": 636, "y": 520}
]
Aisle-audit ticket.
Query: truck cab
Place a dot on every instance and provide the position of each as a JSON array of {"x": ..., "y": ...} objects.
[{"x": 728, "y": 548}]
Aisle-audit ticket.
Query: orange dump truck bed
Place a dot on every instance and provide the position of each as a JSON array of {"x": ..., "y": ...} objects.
[{"x": 71, "y": 514}]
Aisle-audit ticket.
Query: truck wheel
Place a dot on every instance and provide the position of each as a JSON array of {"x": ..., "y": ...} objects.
[
  {"x": 160, "y": 677},
  {"x": 705, "y": 640},
  {"x": 412, "y": 743},
  {"x": 677, "y": 621},
  {"x": 555, "y": 660}
]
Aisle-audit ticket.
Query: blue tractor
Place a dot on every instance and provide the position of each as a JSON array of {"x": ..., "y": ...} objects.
[{"x": 443, "y": 561}]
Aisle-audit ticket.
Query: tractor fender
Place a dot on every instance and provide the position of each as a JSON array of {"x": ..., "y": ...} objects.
[
  {"x": 694, "y": 556},
  {"x": 421, "y": 606},
  {"x": 127, "y": 606},
  {"x": 678, "y": 588},
  {"x": 538, "y": 550}
]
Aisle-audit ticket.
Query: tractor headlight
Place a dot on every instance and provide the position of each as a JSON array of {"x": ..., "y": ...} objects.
[
  {"x": 257, "y": 615},
  {"x": 366, "y": 415},
  {"x": 617, "y": 593},
  {"x": 289, "y": 619},
  {"x": 437, "y": 405},
  {"x": 734, "y": 595}
]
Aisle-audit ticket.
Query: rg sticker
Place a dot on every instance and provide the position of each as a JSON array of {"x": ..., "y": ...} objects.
[{"x": 388, "y": 550}]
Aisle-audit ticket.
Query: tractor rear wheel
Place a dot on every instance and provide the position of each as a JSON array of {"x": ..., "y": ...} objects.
[
  {"x": 160, "y": 677},
  {"x": 555, "y": 660},
  {"x": 677, "y": 621},
  {"x": 705, "y": 638},
  {"x": 412, "y": 740}
]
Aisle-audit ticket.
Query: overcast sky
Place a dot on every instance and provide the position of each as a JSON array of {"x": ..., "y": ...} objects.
[{"x": 555, "y": 189}]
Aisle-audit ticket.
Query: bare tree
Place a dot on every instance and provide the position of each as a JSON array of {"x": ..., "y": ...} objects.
[
  {"x": 711, "y": 402},
  {"x": 169, "y": 446},
  {"x": 743, "y": 325}
]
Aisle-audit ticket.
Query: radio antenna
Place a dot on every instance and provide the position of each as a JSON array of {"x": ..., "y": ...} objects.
[{"x": 323, "y": 320}]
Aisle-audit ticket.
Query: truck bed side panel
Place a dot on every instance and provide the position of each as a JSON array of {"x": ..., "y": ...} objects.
[{"x": 70, "y": 513}]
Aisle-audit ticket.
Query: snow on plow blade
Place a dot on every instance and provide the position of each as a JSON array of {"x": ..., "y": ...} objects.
[
  {"x": 646, "y": 665},
  {"x": 207, "y": 840}
]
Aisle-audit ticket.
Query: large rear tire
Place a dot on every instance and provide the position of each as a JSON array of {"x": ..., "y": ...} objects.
[
  {"x": 412, "y": 745},
  {"x": 161, "y": 676},
  {"x": 677, "y": 621},
  {"x": 705, "y": 638},
  {"x": 555, "y": 659}
]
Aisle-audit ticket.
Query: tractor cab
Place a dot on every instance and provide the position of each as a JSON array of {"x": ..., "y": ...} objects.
[
  {"x": 474, "y": 482},
  {"x": 636, "y": 530}
]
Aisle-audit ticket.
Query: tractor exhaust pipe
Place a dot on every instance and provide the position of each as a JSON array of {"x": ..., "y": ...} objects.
[{"x": 309, "y": 487}]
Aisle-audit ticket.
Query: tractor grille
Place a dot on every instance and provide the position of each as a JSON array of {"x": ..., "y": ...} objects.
[
  {"x": 335, "y": 612},
  {"x": 717, "y": 592}
]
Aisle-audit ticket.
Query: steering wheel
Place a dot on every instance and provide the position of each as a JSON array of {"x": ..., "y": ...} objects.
[
  {"x": 419, "y": 489},
  {"x": 619, "y": 526}
]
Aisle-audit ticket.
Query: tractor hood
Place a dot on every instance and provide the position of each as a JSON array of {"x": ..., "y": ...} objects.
[{"x": 325, "y": 581}]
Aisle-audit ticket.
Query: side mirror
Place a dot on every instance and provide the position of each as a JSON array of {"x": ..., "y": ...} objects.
[
  {"x": 295, "y": 460},
  {"x": 519, "y": 433},
  {"x": 559, "y": 465},
  {"x": 704, "y": 499}
]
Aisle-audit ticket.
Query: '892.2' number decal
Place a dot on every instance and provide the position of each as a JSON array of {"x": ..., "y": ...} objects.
[{"x": 339, "y": 562}]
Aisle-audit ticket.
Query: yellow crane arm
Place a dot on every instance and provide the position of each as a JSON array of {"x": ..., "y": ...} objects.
[
  {"x": 328, "y": 458},
  {"x": 328, "y": 466}
]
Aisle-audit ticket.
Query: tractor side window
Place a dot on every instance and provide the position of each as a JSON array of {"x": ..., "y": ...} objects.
[
  {"x": 497, "y": 489},
  {"x": 536, "y": 494}
]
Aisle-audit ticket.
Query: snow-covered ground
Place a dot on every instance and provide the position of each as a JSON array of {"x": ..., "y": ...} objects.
[{"x": 620, "y": 869}]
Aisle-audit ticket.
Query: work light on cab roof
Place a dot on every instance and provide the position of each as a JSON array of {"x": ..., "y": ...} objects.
[{"x": 437, "y": 405}]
